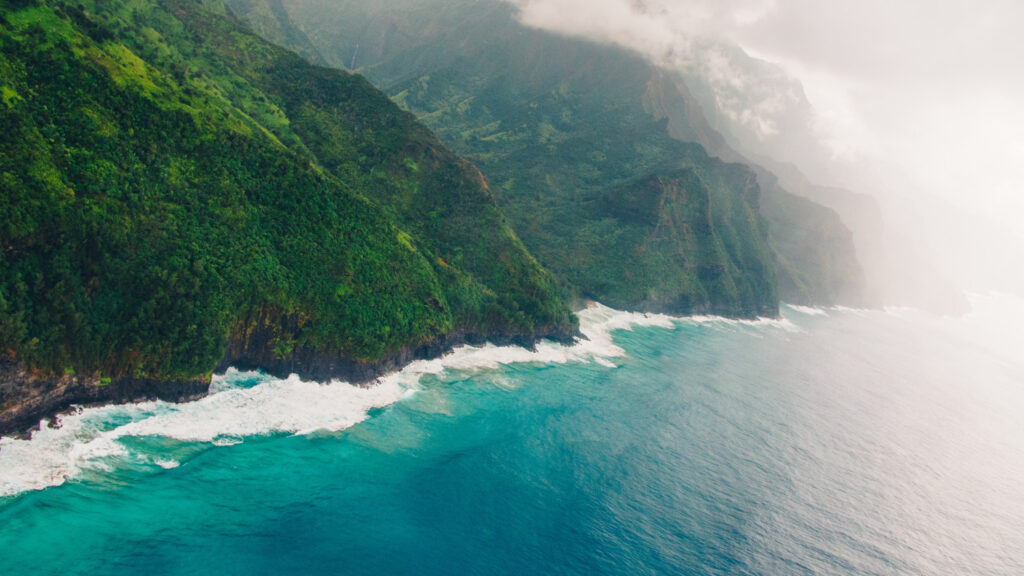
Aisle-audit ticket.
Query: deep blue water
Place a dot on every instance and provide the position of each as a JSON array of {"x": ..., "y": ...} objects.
[{"x": 841, "y": 443}]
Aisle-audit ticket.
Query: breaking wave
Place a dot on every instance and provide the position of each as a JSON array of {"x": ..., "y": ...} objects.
[{"x": 247, "y": 404}]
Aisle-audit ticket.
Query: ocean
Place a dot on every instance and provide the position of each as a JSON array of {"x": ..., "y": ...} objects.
[{"x": 829, "y": 441}]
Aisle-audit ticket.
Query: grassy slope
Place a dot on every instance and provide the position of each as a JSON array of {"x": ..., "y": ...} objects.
[{"x": 157, "y": 200}]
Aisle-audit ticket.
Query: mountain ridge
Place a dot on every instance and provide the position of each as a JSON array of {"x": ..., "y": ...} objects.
[{"x": 500, "y": 93}]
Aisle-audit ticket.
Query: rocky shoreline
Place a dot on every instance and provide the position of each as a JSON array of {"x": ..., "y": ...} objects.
[{"x": 27, "y": 399}]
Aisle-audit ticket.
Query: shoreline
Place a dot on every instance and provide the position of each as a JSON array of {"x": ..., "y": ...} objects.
[
  {"x": 26, "y": 401},
  {"x": 239, "y": 404}
]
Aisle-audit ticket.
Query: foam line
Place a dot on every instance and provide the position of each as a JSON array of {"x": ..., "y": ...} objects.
[
  {"x": 236, "y": 409},
  {"x": 807, "y": 310}
]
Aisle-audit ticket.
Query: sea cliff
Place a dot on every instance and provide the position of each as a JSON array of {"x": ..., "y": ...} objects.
[{"x": 179, "y": 195}]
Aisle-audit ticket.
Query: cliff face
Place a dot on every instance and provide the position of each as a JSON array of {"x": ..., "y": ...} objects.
[
  {"x": 256, "y": 344},
  {"x": 674, "y": 251},
  {"x": 167, "y": 179},
  {"x": 817, "y": 257},
  {"x": 26, "y": 397}
]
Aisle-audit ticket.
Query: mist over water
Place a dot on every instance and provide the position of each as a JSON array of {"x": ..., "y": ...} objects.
[{"x": 834, "y": 441}]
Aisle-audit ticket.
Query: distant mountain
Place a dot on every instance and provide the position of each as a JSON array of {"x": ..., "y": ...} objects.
[
  {"x": 177, "y": 194},
  {"x": 817, "y": 259},
  {"x": 762, "y": 112},
  {"x": 584, "y": 145}
]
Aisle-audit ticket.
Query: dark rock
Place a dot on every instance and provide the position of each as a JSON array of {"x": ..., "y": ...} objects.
[{"x": 26, "y": 399}]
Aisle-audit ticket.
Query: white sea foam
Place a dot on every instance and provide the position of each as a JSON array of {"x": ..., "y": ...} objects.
[
  {"x": 236, "y": 409},
  {"x": 227, "y": 441},
  {"x": 807, "y": 310},
  {"x": 166, "y": 463},
  {"x": 782, "y": 323},
  {"x": 849, "y": 310}
]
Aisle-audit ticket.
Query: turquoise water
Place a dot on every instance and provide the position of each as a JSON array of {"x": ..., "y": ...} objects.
[{"x": 831, "y": 442}]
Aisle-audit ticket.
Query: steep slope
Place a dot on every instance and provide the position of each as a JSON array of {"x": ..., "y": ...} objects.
[
  {"x": 742, "y": 94},
  {"x": 165, "y": 211},
  {"x": 814, "y": 250},
  {"x": 357, "y": 134},
  {"x": 271, "y": 20},
  {"x": 521, "y": 101},
  {"x": 818, "y": 258},
  {"x": 561, "y": 130}
]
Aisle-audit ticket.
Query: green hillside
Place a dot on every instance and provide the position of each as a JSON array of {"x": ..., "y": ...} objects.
[
  {"x": 560, "y": 129},
  {"x": 177, "y": 192},
  {"x": 559, "y": 126}
]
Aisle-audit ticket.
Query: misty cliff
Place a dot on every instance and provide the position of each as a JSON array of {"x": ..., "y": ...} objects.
[
  {"x": 901, "y": 257},
  {"x": 178, "y": 194},
  {"x": 558, "y": 125},
  {"x": 817, "y": 253}
]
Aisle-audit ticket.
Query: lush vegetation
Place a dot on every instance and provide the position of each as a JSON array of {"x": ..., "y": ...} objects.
[
  {"x": 814, "y": 250},
  {"x": 582, "y": 143},
  {"x": 590, "y": 179},
  {"x": 167, "y": 179},
  {"x": 273, "y": 22}
]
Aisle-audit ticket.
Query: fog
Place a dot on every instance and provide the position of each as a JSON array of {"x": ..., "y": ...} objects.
[{"x": 915, "y": 102}]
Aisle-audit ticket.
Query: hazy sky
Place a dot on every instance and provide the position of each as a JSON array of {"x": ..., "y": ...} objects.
[{"x": 930, "y": 93}]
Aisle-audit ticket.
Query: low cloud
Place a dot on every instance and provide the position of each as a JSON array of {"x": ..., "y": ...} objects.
[
  {"x": 921, "y": 92},
  {"x": 680, "y": 35}
]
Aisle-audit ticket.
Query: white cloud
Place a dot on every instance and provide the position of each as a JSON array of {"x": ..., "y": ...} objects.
[
  {"x": 929, "y": 89},
  {"x": 672, "y": 34}
]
